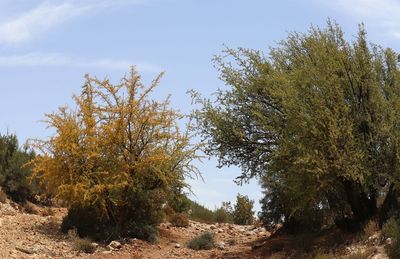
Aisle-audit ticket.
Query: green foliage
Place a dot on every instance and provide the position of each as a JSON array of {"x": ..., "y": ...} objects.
[
  {"x": 221, "y": 214},
  {"x": 316, "y": 121},
  {"x": 137, "y": 219},
  {"x": 224, "y": 214},
  {"x": 200, "y": 213},
  {"x": 204, "y": 241},
  {"x": 243, "y": 213},
  {"x": 391, "y": 229},
  {"x": 13, "y": 174}
]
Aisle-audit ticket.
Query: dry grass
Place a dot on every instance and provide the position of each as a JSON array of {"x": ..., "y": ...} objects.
[
  {"x": 81, "y": 244},
  {"x": 3, "y": 196},
  {"x": 30, "y": 208},
  {"x": 370, "y": 228}
]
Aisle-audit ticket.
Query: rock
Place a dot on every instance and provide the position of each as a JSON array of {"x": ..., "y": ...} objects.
[
  {"x": 24, "y": 250},
  {"x": 114, "y": 245},
  {"x": 250, "y": 233},
  {"x": 177, "y": 245},
  {"x": 221, "y": 245},
  {"x": 388, "y": 241},
  {"x": 95, "y": 245}
]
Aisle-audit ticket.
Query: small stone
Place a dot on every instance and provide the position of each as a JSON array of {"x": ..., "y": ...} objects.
[
  {"x": 115, "y": 245},
  {"x": 25, "y": 250},
  {"x": 177, "y": 245},
  {"x": 221, "y": 245}
]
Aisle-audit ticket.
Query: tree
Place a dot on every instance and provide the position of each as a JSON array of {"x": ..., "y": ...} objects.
[
  {"x": 116, "y": 157},
  {"x": 243, "y": 213},
  {"x": 316, "y": 121},
  {"x": 13, "y": 174}
]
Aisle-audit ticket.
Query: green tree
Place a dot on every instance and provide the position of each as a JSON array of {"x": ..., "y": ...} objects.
[
  {"x": 243, "y": 213},
  {"x": 13, "y": 174},
  {"x": 316, "y": 121}
]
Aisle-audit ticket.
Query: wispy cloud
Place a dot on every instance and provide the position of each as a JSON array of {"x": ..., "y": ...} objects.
[
  {"x": 45, "y": 15},
  {"x": 61, "y": 60},
  {"x": 381, "y": 13}
]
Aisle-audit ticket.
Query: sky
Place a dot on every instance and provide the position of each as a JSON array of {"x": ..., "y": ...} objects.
[{"x": 46, "y": 48}]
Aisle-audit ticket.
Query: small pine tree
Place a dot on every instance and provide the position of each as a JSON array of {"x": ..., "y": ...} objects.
[{"x": 243, "y": 213}]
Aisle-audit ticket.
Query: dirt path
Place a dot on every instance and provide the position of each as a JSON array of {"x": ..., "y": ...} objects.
[
  {"x": 232, "y": 241},
  {"x": 27, "y": 235}
]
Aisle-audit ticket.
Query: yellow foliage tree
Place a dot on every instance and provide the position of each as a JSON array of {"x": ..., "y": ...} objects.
[{"x": 118, "y": 142}]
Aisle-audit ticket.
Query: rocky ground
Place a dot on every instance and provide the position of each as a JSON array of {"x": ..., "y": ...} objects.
[{"x": 36, "y": 235}]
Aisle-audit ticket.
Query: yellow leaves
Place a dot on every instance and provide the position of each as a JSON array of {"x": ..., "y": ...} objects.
[{"x": 116, "y": 138}]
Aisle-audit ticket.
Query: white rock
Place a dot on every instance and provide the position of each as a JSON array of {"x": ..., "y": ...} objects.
[
  {"x": 115, "y": 245},
  {"x": 177, "y": 245},
  {"x": 221, "y": 245}
]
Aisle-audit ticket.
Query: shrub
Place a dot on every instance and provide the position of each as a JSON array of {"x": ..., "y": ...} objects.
[
  {"x": 224, "y": 213},
  {"x": 81, "y": 244},
  {"x": 138, "y": 223},
  {"x": 179, "y": 220},
  {"x": 204, "y": 241},
  {"x": 370, "y": 228},
  {"x": 3, "y": 196},
  {"x": 13, "y": 174},
  {"x": 30, "y": 208},
  {"x": 243, "y": 213},
  {"x": 116, "y": 158},
  {"x": 200, "y": 213},
  {"x": 391, "y": 229}
]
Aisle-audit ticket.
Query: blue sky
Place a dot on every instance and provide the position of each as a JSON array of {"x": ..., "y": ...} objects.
[{"x": 46, "y": 47}]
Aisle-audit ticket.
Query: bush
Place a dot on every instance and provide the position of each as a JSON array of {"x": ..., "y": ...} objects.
[
  {"x": 200, "y": 213},
  {"x": 3, "y": 196},
  {"x": 224, "y": 213},
  {"x": 81, "y": 244},
  {"x": 370, "y": 228},
  {"x": 243, "y": 213},
  {"x": 115, "y": 159},
  {"x": 138, "y": 220},
  {"x": 13, "y": 174},
  {"x": 391, "y": 229},
  {"x": 30, "y": 208},
  {"x": 204, "y": 241},
  {"x": 179, "y": 220}
]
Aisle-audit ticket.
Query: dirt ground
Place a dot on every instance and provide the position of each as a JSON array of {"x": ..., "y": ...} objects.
[{"x": 36, "y": 235}]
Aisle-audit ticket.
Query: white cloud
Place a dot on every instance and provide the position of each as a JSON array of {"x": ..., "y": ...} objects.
[
  {"x": 57, "y": 59},
  {"x": 381, "y": 13},
  {"x": 45, "y": 15}
]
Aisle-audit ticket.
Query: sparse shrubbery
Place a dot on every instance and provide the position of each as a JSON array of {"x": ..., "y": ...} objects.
[
  {"x": 241, "y": 214},
  {"x": 3, "y": 196},
  {"x": 81, "y": 244},
  {"x": 179, "y": 220},
  {"x": 391, "y": 229},
  {"x": 224, "y": 214},
  {"x": 204, "y": 241},
  {"x": 200, "y": 213}
]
